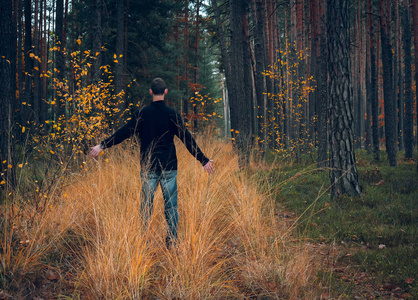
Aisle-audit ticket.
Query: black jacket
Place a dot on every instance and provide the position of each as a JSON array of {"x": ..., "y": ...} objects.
[{"x": 156, "y": 125}]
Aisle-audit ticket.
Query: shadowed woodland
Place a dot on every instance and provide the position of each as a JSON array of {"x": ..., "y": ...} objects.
[{"x": 307, "y": 107}]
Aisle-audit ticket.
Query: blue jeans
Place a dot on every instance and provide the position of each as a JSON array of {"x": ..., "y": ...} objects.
[{"x": 168, "y": 182}]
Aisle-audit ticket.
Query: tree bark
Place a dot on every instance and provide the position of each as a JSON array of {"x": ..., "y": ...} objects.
[
  {"x": 7, "y": 94},
  {"x": 409, "y": 118},
  {"x": 368, "y": 126},
  {"x": 270, "y": 82},
  {"x": 389, "y": 98},
  {"x": 196, "y": 60},
  {"x": 97, "y": 39},
  {"x": 120, "y": 43},
  {"x": 322, "y": 100},
  {"x": 343, "y": 170},
  {"x": 60, "y": 58},
  {"x": 415, "y": 22},
  {"x": 259, "y": 68},
  {"x": 240, "y": 101},
  {"x": 398, "y": 78},
  {"x": 120, "y": 51},
  {"x": 186, "y": 60},
  {"x": 37, "y": 66},
  {"x": 224, "y": 52},
  {"x": 26, "y": 114},
  {"x": 373, "y": 84}
]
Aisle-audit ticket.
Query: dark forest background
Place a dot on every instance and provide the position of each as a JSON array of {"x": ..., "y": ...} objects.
[{"x": 288, "y": 78}]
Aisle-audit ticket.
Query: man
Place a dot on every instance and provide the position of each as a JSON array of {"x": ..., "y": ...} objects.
[{"x": 156, "y": 125}]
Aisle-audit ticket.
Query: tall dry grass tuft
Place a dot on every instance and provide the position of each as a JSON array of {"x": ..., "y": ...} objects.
[{"x": 230, "y": 244}]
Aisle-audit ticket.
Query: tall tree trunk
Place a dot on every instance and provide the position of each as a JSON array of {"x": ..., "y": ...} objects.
[
  {"x": 300, "y": 77},
  {"x": 26, "y": 114},
  {"x": 120, "y": 51},
  {"x": 269, "y": 30},
  {"x": 248, "y": 78},
  {"x": 415, "y": 21},
  {"x": 60, "y": 58},
  {"x": 240, "y": 102},
  {"x": 313, "y": 67},
  {"x": 97, "y": 39},
  {"x": 20, "y": 54},
  {"x": 259, "y": 68},
  {"x": 368, "y": 126},
  {"x": 196, "y": 60},
  {"x": 37, "y": 66},
  {"x": 343, "y": 170},
  {"x": 398, "y": 78},
  {"x": 120, "y": 43},
  {"x": 373, "y": 84},
  {"x": 356, "y": 75},
  {"x": 186, "y": 59},
  {"x": 389, "y": 99},
  {"x": 409, "y": 118},
  {"x": 226, "y": 62},
  {"x": 322, "y": 100},
  {"x": 45, "y": 53},
  {"x": 7, "y": 94}
]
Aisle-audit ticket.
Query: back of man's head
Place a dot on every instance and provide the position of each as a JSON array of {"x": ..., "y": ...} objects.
[{"x": 158, "y": 86}]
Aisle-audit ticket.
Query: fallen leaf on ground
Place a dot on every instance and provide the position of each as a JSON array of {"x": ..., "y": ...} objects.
[
  {"x": 50, "y": 275},
  {"x": 379, "y": 183},
  {"x": 409, "y": 280}
]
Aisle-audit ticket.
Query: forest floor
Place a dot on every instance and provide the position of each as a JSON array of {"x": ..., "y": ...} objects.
[{"x": 368, "y": 244}]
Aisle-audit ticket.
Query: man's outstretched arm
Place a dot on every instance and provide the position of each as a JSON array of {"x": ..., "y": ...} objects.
[
  {"x": 185, "y": 136},
  {"x": 119, "y": 136}
]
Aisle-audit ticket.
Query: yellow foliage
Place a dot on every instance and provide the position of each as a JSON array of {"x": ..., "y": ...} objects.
[
  {"x": 293, "y": 93},
  {"x": 89, "y": 109}
]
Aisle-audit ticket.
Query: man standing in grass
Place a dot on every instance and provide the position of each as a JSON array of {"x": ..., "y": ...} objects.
[{"x": 156, "y": 125}]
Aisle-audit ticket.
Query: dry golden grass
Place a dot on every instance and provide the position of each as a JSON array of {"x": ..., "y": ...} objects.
[{"x": 230, "y": 244}]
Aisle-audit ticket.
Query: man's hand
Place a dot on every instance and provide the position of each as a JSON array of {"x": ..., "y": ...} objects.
[
  {"x": 95, "y": 151},
  {"x": 208, "y": 167}
]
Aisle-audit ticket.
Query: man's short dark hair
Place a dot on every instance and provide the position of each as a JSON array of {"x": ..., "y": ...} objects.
[{"x": 158, "y": 86}]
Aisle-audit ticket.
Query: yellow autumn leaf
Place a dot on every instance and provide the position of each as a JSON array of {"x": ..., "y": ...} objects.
[
  {"x": 52, "y": 152},
  {"x": 20, "y": 165},
  {"x": 78, "y": 41},
  {"x": 10, "y": 166},
  {"x": 31, "y": 55},
  {"x": 23, "y": 129},
  {"x": 2, "y": 182}
]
